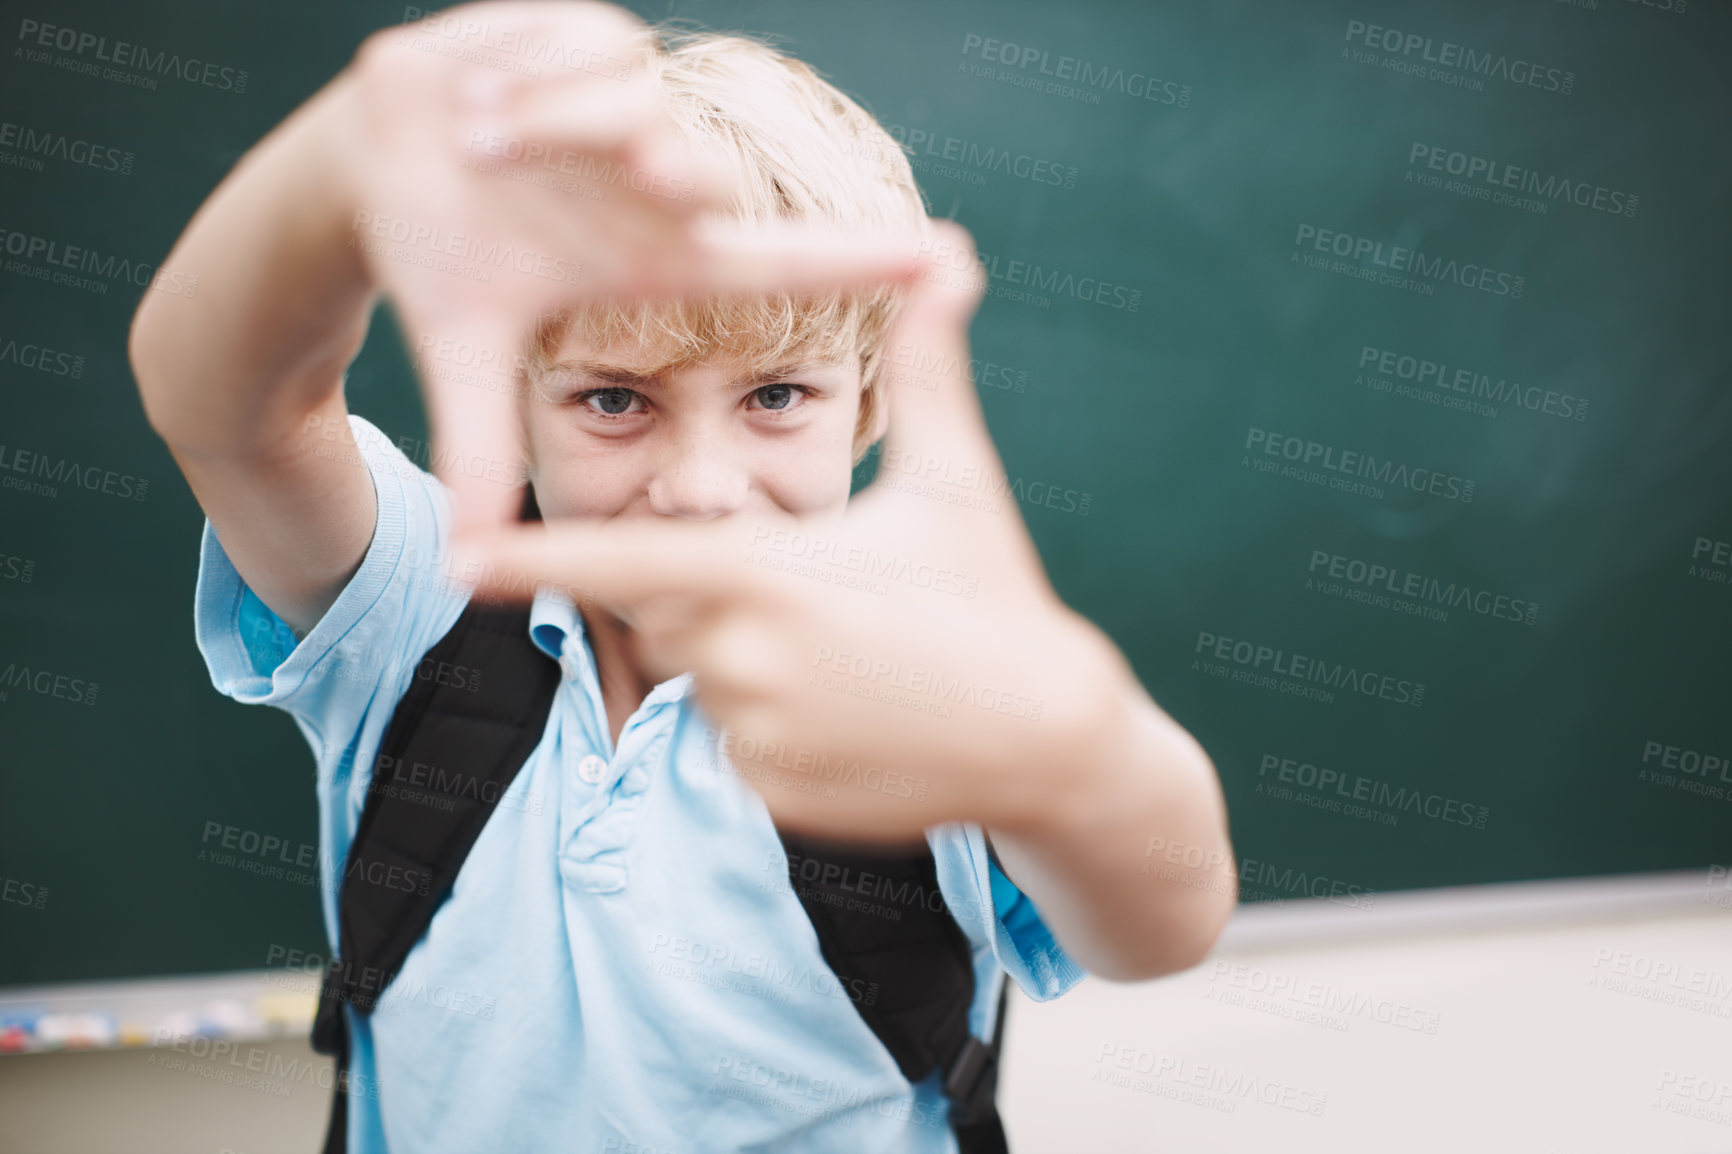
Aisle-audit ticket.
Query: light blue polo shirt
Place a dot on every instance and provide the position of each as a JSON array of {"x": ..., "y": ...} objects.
[{"x": 622, "y": 964}]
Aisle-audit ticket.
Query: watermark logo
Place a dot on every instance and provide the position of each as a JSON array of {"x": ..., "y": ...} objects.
[
  {"x": 1068, "y": 77},
  {"x": 19, "y": 569},
  {"x": 1347, "y": 470},
  {"x": 1313, "y": 1003},
  {"x": 1273, "y": 885},
  {"x": 524, "y": 51},
  {"x": 808, "y": 771},
  {"x": 1512, "y": 186},
  {"x": 119, "y": 61},
  {"x": 17, "y": 892},
  {"x": 1397, "y": 266},
  {"x": 27, "y": 147},
  {"x": 913, "y": 687},
  {"x": 837, "y": 562},
  {"x": 266, "y": 855},
  {"x": 1379, "y": 586},
  {"x": 861, "y": 890},
  {"x": 75, "y": 266},
  {"x": 1686, "y": 770},
  {"x": 22, "y": 467},
  {"x": 1670, "y": 7},
  {"x": 459, "y": 254},
  {"x": 1024, "y": 282},
  {"x": 1711, "y": 561},
  {"x": 1355, "y": 795},
  {"x": 965, "y": 483},
  {"x": 22, "y": 678},
  {"x": 472, "y": 365},
  {"x": 532, "y": 162},
  {"x": 1717, "y": 886},
  {"x": 919, "y": 366},
  {"x": 1666, "y": 981},
  {"x": 1188, "y": 864},
  {"x": 1459, "y": 389},
  {"x": 335, "y": 440},
  {"x": 1297, "y": 674},
  {"x": 1688, "y": 1094},
  {"x": 969, "y": 161},
  {"x": 1212, "y": 1087},
  {"x": 1446, "y": 62},
  {"x": 249, "y": 1067},
  {"x": 41, "y": 358},
  {"x": 727, "y": 967},
  {"x": 751, "y": 1080}
]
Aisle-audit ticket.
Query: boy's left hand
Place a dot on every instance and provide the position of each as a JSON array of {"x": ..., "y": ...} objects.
[{"x": 906, "y": 665}]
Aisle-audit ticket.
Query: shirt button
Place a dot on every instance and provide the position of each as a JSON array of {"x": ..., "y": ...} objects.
[{"x": 591, "y": 769}]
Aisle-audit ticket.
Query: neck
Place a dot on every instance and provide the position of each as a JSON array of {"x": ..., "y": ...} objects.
[{"x": 624, "y": 682}]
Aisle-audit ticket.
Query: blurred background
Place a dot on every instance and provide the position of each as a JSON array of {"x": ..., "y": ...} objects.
[{"x": 1360, "y": 368}]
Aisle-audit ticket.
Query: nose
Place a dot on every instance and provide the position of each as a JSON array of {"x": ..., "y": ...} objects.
[{"x": 697, "y": 479}]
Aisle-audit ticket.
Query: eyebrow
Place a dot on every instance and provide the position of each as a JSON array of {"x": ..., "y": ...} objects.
[{"x": 627, "y": 378}]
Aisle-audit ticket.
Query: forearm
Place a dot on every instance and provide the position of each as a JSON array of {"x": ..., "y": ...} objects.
[
  {"x": 1129, "y": 862},
  {"x": 282, "y": 302}
]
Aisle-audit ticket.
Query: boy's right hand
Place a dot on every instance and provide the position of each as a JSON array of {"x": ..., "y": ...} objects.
[{"x": 504, "y": 159}]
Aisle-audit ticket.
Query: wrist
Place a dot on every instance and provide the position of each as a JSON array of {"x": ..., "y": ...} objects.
[{"x": 1065, "y": 773}]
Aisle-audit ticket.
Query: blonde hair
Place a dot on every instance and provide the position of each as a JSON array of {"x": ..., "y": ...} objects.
[{"x": 805, "y": 153}]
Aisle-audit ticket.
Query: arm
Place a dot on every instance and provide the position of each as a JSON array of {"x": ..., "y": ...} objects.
[
  {"x": 237, "y": 378},
  {"x": 232, "y": 377},
  {"x": 1128, "y": 858}
]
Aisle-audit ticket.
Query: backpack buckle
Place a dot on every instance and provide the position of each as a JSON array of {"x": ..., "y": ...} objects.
[{"x": 971, "y": 1081}]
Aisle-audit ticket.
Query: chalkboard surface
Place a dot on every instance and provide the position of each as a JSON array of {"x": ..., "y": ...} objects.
[{"x": 1361, "y": 368}]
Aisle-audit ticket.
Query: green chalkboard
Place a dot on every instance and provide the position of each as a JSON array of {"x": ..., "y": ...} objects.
[{"x": 1361, "y": 369}]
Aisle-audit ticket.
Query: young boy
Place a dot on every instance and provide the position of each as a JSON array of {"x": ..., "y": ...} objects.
[{"x": 622, "y": 963}]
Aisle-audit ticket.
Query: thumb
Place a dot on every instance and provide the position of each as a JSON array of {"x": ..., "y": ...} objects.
[
  {"x": 471, "y": 370},
  {"x": 936, "y": 420}
]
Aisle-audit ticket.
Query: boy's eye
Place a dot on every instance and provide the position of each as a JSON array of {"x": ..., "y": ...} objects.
[
  {"x": 780, "y": 398},
  {"x": 608, "y": 402}
]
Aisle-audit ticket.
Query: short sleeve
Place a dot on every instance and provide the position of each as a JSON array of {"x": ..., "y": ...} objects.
[
  {"x": 991, "y": 909},
  {"x": 253, "y": 656}
]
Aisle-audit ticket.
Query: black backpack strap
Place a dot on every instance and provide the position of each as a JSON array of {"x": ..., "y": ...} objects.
[
  {"x": 884, "y": 929},
  {"x": 475, "y": 709}
]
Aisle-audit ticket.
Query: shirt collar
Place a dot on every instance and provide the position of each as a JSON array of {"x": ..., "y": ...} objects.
[{"x": 556, "y": 628}]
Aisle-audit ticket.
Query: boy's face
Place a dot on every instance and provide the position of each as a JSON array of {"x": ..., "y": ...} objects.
[{"x": 702, "y": 442}]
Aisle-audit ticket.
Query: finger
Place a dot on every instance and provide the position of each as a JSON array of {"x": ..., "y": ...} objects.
[
  {"x": 938, "y": 431},
  {"x": 619, "y": 563},
  {"x": 602, "y": 117},
  {"x": 469, "y": 369},
  {"x": 580, "y": 114},
  {"x": 612, "y": 147},
  {"x": 736, "y": 256},
  {"x": 525, "y": 41}
]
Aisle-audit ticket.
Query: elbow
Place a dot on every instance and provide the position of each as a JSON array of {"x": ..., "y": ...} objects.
[
  {"x": 1194, "y": 947},
  {"x": 141, "y": 343},
  {"x": 1185, "y": 940},
  {"x": 1174, "y": 955}
]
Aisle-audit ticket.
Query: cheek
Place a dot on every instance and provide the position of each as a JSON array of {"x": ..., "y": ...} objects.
[
  {"x": 581, "y": 476},
  {"x": 813, "y": 470},
  {"x": 807, "y": 483}
]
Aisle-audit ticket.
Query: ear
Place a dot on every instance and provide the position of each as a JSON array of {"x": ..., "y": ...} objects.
[
  {"x": 878, "y": 422},
  {"x": 880, "y": 412}
]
